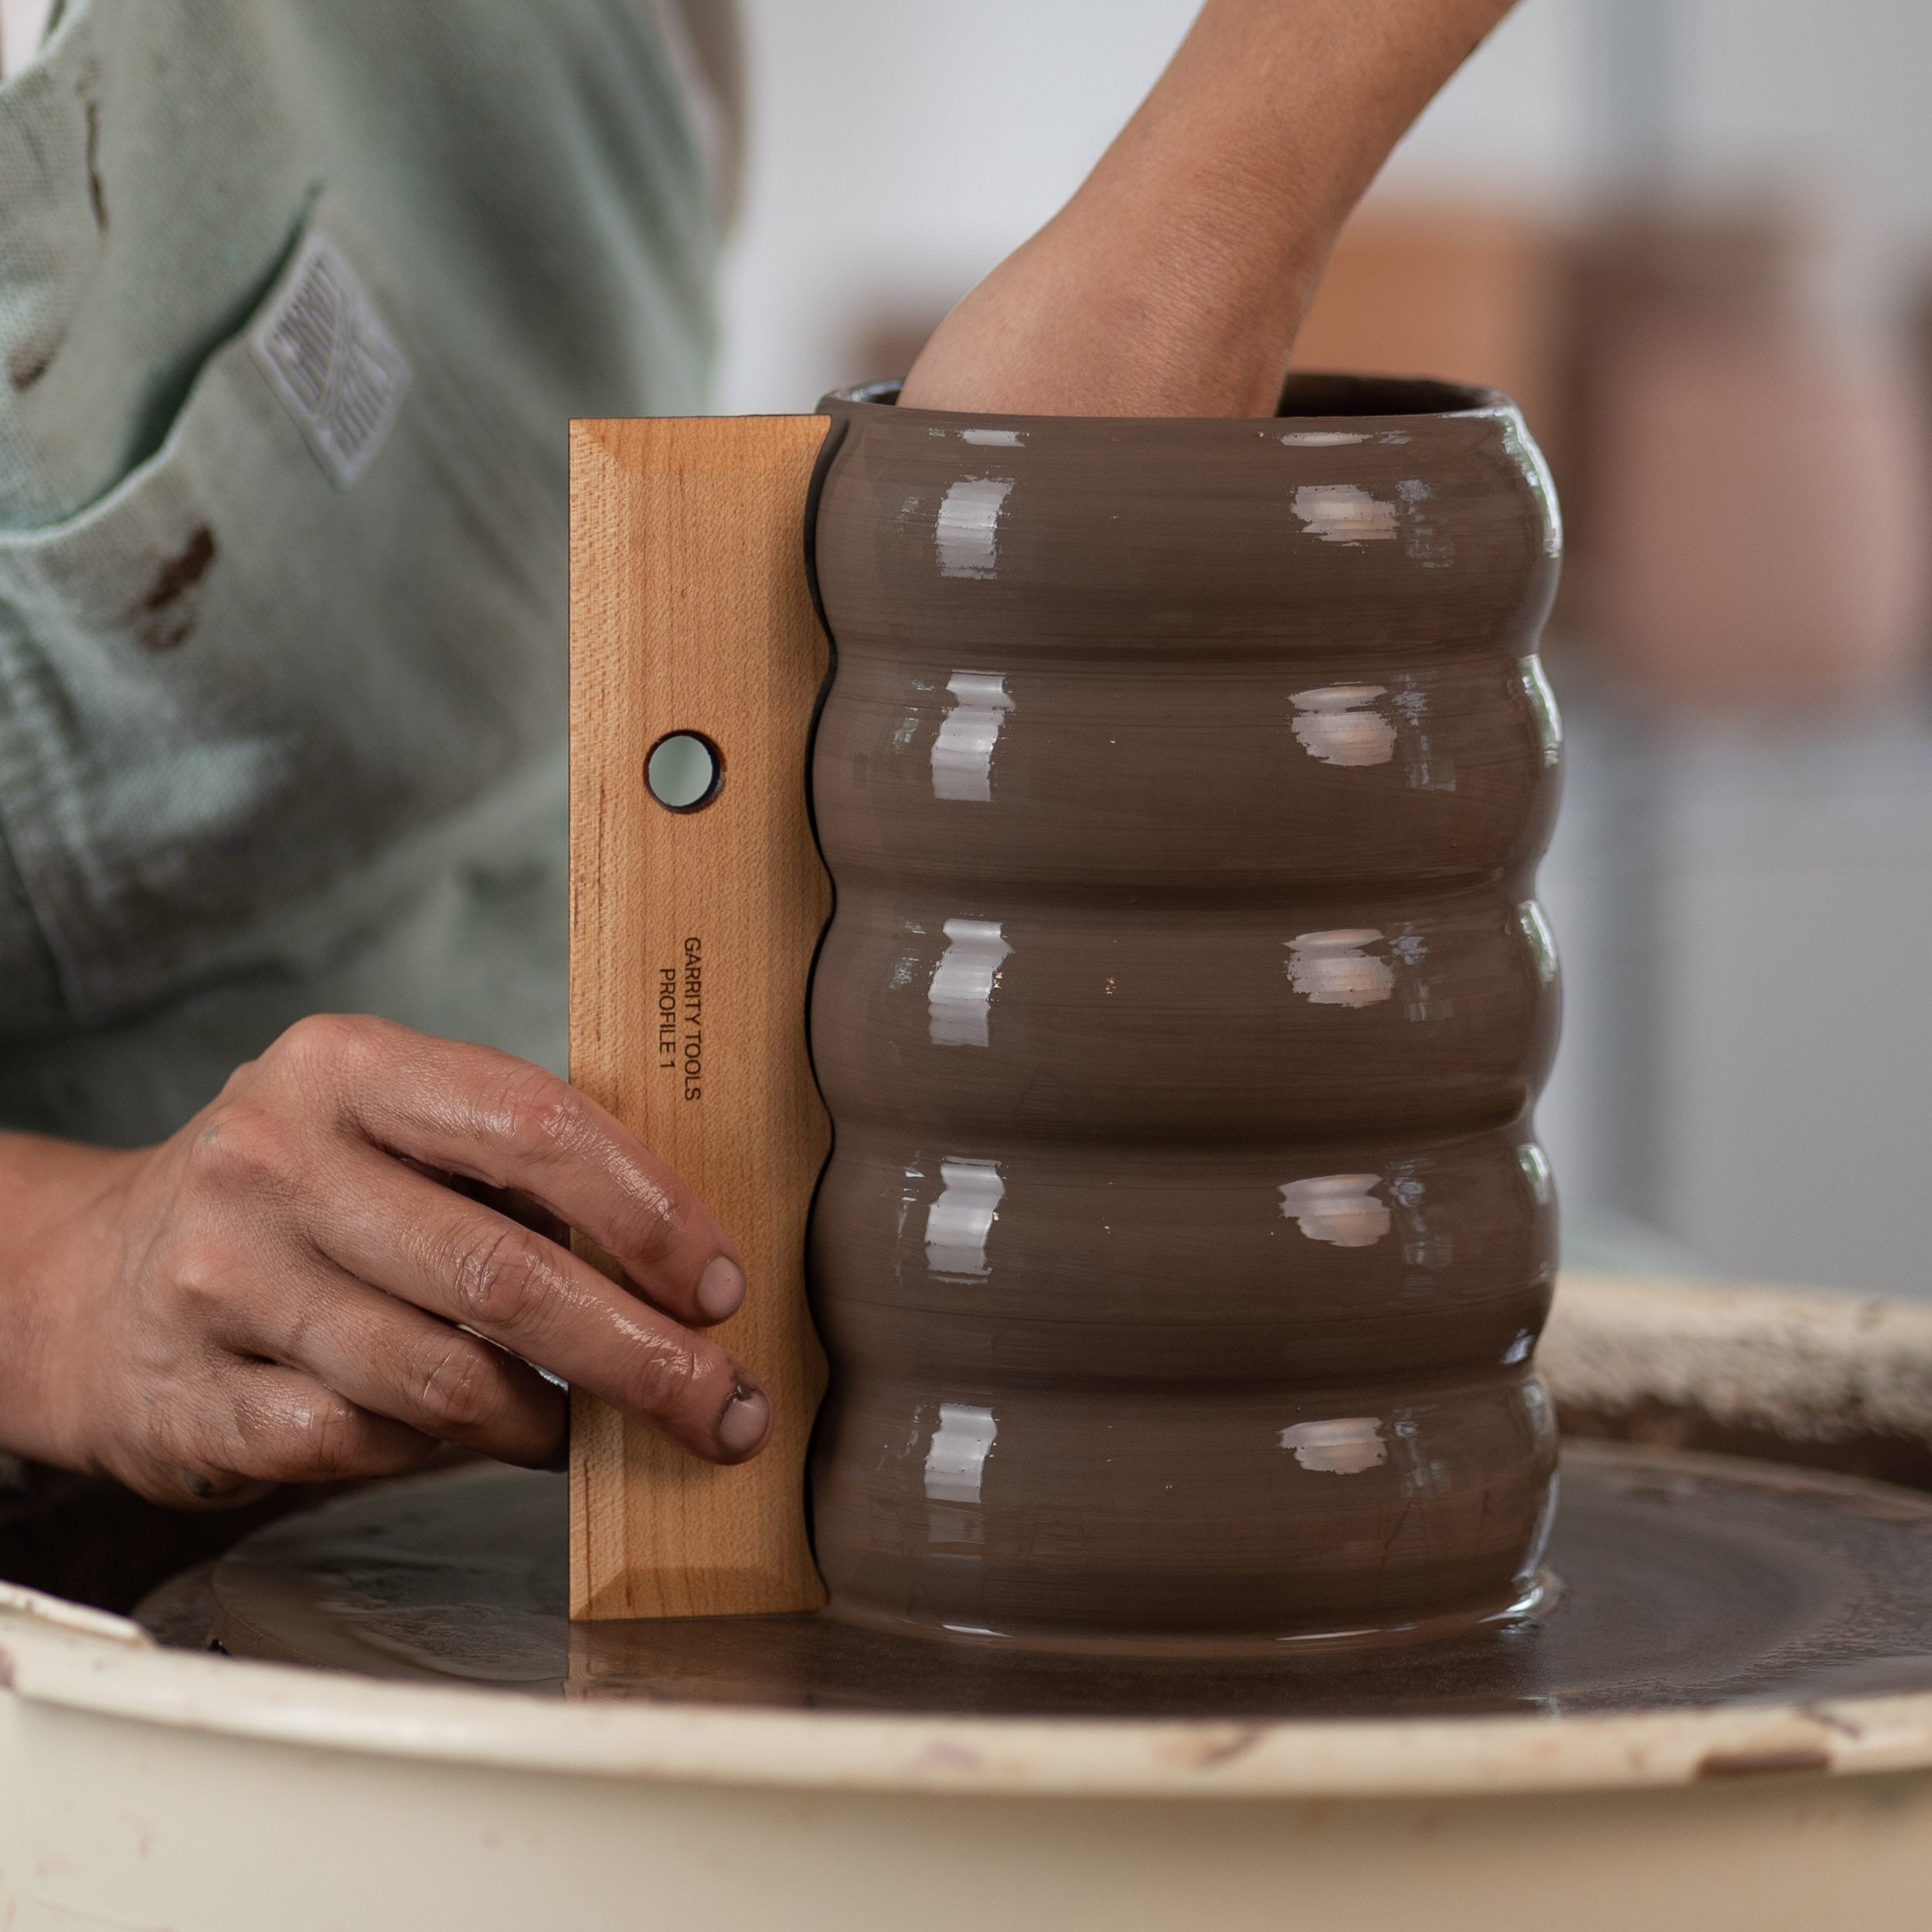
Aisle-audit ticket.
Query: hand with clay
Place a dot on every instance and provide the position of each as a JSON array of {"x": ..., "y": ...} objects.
[
  {"x": 331, "y": 1268},
  {"x": 1174, "y": 281}
]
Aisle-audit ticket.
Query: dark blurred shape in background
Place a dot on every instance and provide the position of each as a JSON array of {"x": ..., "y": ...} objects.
[
  {"x": 1744, "y": 473},
  {"x": 1750, "y": 479}
]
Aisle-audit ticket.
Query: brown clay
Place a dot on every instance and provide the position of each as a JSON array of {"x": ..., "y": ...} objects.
[
  {"x": 1685, "y": 1581},
  {"x": 1185, "y": 1239}
]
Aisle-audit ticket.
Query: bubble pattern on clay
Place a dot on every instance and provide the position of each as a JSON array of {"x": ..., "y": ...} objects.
[{"x": 1185, "y": 1238}]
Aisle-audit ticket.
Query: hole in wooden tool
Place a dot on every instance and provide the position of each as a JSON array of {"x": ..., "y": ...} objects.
[{"x": 685, "y": 771}]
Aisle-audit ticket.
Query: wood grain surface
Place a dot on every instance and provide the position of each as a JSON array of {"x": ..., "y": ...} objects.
[{"x": 691, "y": 936}]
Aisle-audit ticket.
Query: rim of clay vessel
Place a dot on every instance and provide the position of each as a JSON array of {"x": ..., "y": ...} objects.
[
  {"x": 1315, "y": 393},
  {"x": 1807, "y": 1361}
]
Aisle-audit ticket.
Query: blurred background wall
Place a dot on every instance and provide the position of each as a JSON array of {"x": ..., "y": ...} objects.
[
  {"x": 1694, "y": 237},
  {"x": 905, "y": 146}
]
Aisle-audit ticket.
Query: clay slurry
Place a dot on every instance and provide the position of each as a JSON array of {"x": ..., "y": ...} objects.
[
  {"x": 1185, "y": 1238},
  {"x": 1689, "y": 1581}
]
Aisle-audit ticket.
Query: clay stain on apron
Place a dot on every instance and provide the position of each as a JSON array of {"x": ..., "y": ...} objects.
[{"x": 165, "y": 618}]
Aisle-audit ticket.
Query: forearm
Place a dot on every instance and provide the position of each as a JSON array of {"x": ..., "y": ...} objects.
[
  {"x": 49, "y": 1193},
  {"x": 1175, "y": 280}
]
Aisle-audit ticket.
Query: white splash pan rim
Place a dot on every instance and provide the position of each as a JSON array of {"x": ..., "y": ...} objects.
[
  {"x": 57, "y": 1654},
  {"x": 1813, "y": 1365}
]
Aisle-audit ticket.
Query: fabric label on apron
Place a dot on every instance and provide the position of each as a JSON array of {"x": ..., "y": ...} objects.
[{"x": 329, "y": 357}]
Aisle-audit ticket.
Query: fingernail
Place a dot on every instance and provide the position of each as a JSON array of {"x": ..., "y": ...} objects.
[
  {"x": 747, "y": 1417},
  {"x": 720, "y": 1288}
]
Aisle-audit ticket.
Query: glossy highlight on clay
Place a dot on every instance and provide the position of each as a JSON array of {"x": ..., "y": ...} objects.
[{"x": 1186, "y": 1238}]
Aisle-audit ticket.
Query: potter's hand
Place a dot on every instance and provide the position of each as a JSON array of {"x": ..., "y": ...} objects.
[
  {"x": 285, "y": 1290},
  {"x": 1174, "y": 281}
]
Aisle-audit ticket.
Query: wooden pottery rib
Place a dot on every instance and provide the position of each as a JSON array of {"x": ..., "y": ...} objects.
[{"x": 690, "y": 612}]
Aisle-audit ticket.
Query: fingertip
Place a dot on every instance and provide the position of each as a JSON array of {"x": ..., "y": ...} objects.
[
  {"x": 224, "y": 1490},
  {"x": 721, "y": 1289},
  {"x": 745, "y": 1422}
]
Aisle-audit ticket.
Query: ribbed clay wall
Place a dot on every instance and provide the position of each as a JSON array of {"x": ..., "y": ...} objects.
[{"x": 1185, "y": 1239}]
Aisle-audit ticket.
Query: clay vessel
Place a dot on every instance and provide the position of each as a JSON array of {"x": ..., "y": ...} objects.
[{"x": 1185, "y": 1239}]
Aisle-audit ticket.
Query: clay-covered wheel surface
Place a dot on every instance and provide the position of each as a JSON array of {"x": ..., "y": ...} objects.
[{"x": 1684, "y": 1581}]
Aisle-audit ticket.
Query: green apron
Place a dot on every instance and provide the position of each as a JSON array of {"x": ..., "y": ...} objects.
[{"x": 296, "y": 299}]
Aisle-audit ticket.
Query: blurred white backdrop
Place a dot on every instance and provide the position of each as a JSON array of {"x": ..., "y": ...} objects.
[{"x": 902, "y": 147}]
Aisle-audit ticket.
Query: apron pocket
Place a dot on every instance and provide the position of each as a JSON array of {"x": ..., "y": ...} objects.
[{"x": 247, "y": 689}]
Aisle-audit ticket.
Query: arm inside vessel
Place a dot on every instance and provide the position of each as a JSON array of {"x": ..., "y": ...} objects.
[{"x": 1174, "y": 280}]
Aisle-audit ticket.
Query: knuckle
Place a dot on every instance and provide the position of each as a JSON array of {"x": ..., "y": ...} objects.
[
  {"x": 663, "y": 1382},
  {"x": 659, "y": 1222},
  {"x": 457, "y": 1389},
  {"x": 331, "y": 1437},
  {"x": 244, "y": 1147},
  {"x": 303, "y": 1435},
  {"x": 541, "y": 1116},
  {"x": 324, "y": 1036},
  {"x": 203, "y": 1271},
  {"x": 329, "y": 1048},
  {"x": 499, "y": 1280}
]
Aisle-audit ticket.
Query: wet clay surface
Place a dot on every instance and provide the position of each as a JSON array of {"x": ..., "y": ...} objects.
[
  {"x": 1185, "y": 1237},
  {"x": 1684, "y": 1580}
]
